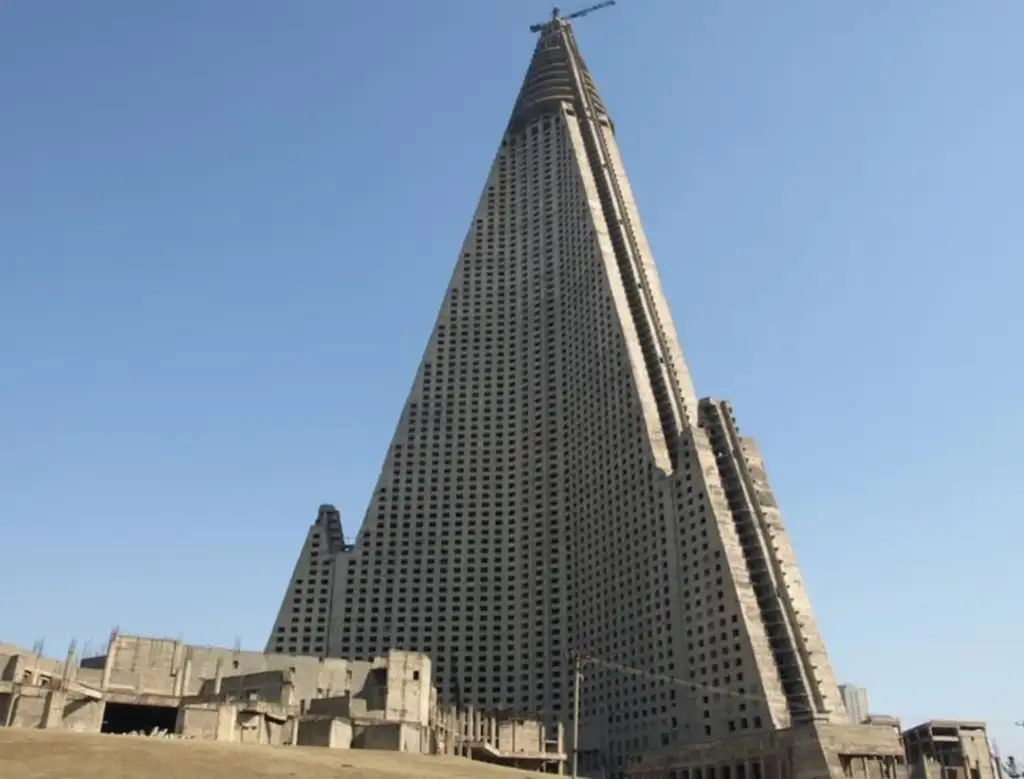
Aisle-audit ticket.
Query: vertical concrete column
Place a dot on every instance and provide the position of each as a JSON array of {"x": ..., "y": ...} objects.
[
  {"x": 186, "y": 677},
  {"x": 218, "y": 677},
  {"x": 33, "y": 670},
  {"x": 444, "y": 731},
  {"x": 53, "y": 714},
  {"x": 12, "y": 705},
  {"x": 69, "y": 667},
  {"x": 560, "y": 745},
  {"x": 108, "y": 668},
  {"x": 452, "y": 726},
  {"x": 289, "y": 690},
  {"x": 177, "y": 657},
  {"x": 463, "y": 734},
  {"x": 470, "y": 724},
  {"x": 456, "y": 731}
]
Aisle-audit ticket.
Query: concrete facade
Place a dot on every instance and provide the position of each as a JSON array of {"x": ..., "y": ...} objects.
[
  {"x": 950, "y": 749},
  {"x": 855, "y": 699},
  {"x": 554, "y": 484},
  {"x": 814, "y": 751}
]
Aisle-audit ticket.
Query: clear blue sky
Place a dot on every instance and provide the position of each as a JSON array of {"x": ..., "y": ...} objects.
[{"x": 226, "y": 226}]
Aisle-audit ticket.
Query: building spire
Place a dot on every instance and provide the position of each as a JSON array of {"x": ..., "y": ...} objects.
[{"x": 549, "y": 80}]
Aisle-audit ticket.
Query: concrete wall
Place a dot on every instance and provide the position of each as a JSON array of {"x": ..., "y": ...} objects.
[
  {"x": 331, "y": 733},
  {"x": 273, "y": 686},
  {"x": 408, "y": 687},
  {"x": 330, "y": 707},
  {"x": 384, "y": 736},
  {"x": 35, "y": 707},
  {"x": 393, "y": 688},
  {"x": 413, "y": 739},
  {"x": 855, "y": 699},
  {"x": 199, "y": 722},
  {"x": 235, "y": 722},
  {"x": 29, "y": 710},
  {"x": 520, "y": 736},
  {"x": 157, "y": 666},
  {"x": 84, "y": 715},
  {"x": 977, "y": 752}
]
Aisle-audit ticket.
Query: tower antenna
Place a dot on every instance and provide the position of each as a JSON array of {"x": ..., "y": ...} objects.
[{"x": 556, "y": 15}]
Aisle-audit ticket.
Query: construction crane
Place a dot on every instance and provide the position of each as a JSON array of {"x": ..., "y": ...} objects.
[{"x": 556, "y": 15}]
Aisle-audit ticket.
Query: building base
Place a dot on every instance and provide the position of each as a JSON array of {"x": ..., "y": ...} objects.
[{"x": 815, "y": 751}]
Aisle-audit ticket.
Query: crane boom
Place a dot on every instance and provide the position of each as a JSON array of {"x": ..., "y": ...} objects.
[
  {"x": 591, "y": 9},
  {"x": 556, "y": 15}
]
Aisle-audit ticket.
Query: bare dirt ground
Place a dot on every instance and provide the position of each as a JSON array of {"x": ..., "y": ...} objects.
[{"x": 35, "y": 754}]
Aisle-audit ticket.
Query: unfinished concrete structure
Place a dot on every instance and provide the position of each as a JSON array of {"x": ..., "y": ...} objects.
[
  {"x": 505, "y": 738},
  {"x": 153, "y": 685},
  {"x": 950, "y": 749},
  {"x": 145, "y": 684},
  {"x": 554, "y": 484},
  {"x": 873, "y": 749},
  {"x": 811, "y": 751}
]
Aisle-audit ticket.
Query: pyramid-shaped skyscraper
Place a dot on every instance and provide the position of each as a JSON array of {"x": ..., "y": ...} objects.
[{"x": 555, "y": 484}]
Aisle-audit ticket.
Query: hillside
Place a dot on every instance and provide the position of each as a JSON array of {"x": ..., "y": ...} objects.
[{"x": 35, "y": 754}]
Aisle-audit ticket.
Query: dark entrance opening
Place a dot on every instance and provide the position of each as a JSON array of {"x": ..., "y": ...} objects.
[{"x": 131, "y": 718}]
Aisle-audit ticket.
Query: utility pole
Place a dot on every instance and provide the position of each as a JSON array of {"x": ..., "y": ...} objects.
[{"x": 577, "y": 666}]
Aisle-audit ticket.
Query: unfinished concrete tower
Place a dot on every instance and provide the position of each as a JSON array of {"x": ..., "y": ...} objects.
[
  {"x": 554, "y": 483},
  {"x": 303, "y": 619}
]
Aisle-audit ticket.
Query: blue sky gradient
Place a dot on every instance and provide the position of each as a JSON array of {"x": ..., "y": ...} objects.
[{"x": 226, "y": 226}]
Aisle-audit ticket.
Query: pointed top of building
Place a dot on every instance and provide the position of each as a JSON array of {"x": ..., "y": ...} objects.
[
  {"x": 557, "y": 73},
  {"x": 556, "y": 15}
]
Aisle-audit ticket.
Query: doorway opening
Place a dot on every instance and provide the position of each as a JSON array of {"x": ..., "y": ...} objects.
[{"x": 133, "y": 718}]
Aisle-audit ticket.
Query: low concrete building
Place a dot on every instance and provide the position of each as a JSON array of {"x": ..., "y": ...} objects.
[
  {"x": 949, "y": 749},
  {"x": 155, "y": 685},
  {"x": 832, "y": 751},
  {"x": 152, "y": 684}
]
